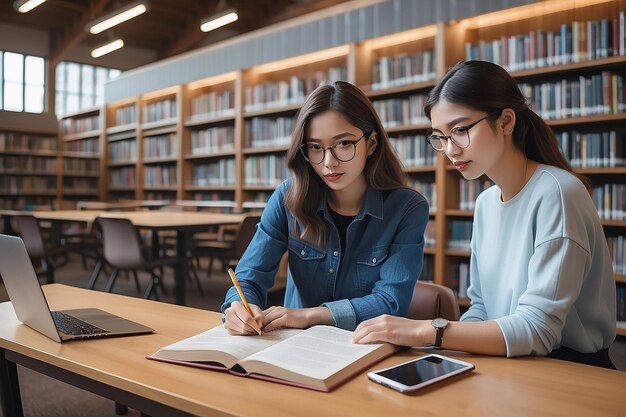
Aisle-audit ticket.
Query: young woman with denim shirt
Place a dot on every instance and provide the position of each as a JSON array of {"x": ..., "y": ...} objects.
[
  {"x": 541, "y": 280},
  {"x": 352, "y": 229}
]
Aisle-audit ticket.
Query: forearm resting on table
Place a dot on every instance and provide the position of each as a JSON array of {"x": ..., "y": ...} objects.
[{"x": 483, "y": 337}]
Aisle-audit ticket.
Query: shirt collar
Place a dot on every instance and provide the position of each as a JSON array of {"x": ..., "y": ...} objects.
[{"x": 372, "y": 205}]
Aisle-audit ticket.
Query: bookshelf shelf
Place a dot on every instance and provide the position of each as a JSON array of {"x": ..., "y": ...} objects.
[
  {"x": 458, "y": 253},
  {"x": 210, "y": 188},
  {"x": 598, "y": 63},
  {"x": 129, "y": 127},
  {"x": 459, "y": 213},
  {"x": 419, "y": 169},
  {"x": 621, "y": 328},
  {"x": 620, "y": 278},
  {"x": 81, "y": 155},
  {"x": 83, "y": 135},
  {"x": 407, "y": 128},
  {"x": 211, "y": 155},
  {"x": 393, "y": 91},
  {"x": 270, "y": 149},
  {"x": 163, "y": 126},
  {"x": 210, "y": 120},
  {"x": 122, "y": 163},
  {"x": 168, "y": 159},
  {"x": 430, "y": 251},
  {"x": 273, "y": 110},
  {"x": 600, "y": 118},
  {"x": 464, "y": 302}
]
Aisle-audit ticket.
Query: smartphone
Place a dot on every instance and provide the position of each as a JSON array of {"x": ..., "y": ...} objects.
[{"x": 418, "y": 373}]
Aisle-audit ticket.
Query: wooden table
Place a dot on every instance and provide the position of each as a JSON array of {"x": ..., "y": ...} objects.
[
  {"x": 116, "y": 368},
  {"x": 183, "y": 223}
]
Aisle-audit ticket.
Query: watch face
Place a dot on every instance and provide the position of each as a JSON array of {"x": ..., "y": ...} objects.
[{"x": 440, "y": 323}]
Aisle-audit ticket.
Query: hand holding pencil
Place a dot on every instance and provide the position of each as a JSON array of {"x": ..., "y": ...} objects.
[{"x": 247, "y": 319}]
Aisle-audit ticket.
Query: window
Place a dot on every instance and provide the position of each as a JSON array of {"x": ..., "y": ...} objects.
[
  {"x": 22, "y": 82},
  {"x": 80, "y": 86}
]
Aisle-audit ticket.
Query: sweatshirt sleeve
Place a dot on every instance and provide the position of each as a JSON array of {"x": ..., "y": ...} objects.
[{"x": 555, "y": 277}]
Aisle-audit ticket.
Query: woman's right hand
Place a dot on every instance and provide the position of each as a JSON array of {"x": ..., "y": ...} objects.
[{"x": 239, "y": 322}]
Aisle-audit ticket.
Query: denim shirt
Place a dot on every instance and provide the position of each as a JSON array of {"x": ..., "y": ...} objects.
[{"x": 383, "y": 259}]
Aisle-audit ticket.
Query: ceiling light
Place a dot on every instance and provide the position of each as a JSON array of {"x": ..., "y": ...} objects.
[
  {"x": 107, "y": 48},
  {"x": 25, "y": 6},
  {"x": 219, "y": 20},
  {"x": 119, "y": 16}
]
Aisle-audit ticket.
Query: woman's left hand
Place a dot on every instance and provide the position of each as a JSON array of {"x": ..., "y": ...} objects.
[
  {"x": 295, "y": 318},
  {"x": 397, "y": 330}
]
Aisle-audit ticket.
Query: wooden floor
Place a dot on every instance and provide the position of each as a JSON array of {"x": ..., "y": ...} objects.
[{"x": 45, "y": 397}]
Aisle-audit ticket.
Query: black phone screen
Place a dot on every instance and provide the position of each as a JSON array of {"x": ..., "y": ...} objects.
[{"x": 421, "y": 370}]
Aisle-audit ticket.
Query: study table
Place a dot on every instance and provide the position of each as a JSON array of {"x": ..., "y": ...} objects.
[
  {"x": 183, "y": 223},
  {"x": 116, "y": 368}
]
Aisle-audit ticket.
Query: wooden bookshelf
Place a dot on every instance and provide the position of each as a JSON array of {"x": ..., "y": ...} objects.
[
  {"x": 29, "y": 169},
  {"x": 81, "y": 141},
  {"x": 219, "y": 122}
]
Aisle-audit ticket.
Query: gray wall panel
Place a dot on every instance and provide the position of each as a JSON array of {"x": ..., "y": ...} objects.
[{"x": 368, "y": 22}]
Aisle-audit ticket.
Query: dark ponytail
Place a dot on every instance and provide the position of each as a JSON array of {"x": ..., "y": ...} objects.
[{"x": 488, "y": 87}]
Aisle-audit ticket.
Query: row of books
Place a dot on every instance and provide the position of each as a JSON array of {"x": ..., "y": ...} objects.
[
  {"x": 429, "y": 234},
  {"x": 212, "y": 140},
  {"x": 469, "y": 191},
  {"x": 388, "y": 72},
  {"x": 426, "y": 188},
  {"x": 160, "y": 146},
  {"x": 71, "y": 126},
  {"x": 610, "y": 200},
  {"x": 126, "y": 115},
  {"x": 265, "y": 170},
  {"x": 459, "y": 278},
  {"x": 159, "y": 176},
  {"x": 28, "y": 164},
  {"x": 579, "y": 96},
  {"x": 289, "y": 92},
  {"x": 26, "y": 203},
  {"x": 80, "y": 186},
  {"x": 221, "y": 172},
  {"x": 575, "y": 42},
  {"x": 122, "y": 177},
  {"x": 460, "y": 234},
  {"x": 27, "y": 184},
  {"x": 395, "y": 112},
  {"x": 620, "y": 292},
  {"x": 413, "y": 150},
  {"x": 80, "y": 165},
  {"x": 82, "y": 146},
  {"x": 617, "y": 247},
  {"x": 428, "y": 269},
  {"x": 160, "y": 196},
  {"x": 159, "y": 110},
  {"x": 10, "y": 141},
  {"x": 266, "y": 132},
  {"x": 213, "y": 104},
  {"x": 123, "y": 151},
  {"x": 593, "y": 149}
]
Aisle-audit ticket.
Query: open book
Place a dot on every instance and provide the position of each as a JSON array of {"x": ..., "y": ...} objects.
[{"x": 320, "y": 357}]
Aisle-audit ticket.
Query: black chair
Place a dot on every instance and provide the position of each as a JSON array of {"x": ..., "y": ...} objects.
[
  {"x": 123, "y": 251},
  {"x": 38, "y": 248},
  {"x": 229, "y": 252}
]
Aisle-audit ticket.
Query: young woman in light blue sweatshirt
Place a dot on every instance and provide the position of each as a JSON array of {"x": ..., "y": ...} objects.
[{"x": 541, "y": 279}]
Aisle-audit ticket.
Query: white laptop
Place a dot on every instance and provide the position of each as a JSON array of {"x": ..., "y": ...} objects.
[{"x": 32, "y": 309}]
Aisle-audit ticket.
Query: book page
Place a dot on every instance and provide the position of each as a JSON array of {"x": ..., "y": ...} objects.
[
  {"x": 216, "y": 345},
  {"x": 318, "y": 352}
]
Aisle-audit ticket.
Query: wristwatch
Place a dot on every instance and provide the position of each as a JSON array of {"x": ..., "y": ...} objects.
[{"x": 440, "y": 325}]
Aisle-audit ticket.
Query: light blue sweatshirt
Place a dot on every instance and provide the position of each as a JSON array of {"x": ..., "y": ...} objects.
[{"x": 541, "y": 267}]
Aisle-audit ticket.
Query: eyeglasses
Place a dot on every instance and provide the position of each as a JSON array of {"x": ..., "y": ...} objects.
[
  {"x": 343, "y": 151},
  {"x": 458, "y": 135}
]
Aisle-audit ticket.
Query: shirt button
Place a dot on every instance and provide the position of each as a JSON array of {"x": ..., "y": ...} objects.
[
  {"x": 303, "y": 252},
  {"x": 331, "y": 270},
  {"x": 374, "y": 260},
  {"x": 335, "y": 253}
]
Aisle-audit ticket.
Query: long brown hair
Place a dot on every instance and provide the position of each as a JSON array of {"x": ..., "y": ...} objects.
[
  {"x": 383, "y": 170},
  {"x": 488, "y": 87}
]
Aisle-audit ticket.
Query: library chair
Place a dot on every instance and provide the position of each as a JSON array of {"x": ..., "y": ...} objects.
[
  {"x": 37, "y": 247},
  {"x": 432, "y": 300},
  {"x": 122, "y": 250},
  {"x": 228, "y": 251}
]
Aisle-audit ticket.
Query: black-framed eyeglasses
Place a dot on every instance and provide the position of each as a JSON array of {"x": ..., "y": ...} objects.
[
  {"x": 344, "y": 150},
  {"x": 458, "y": 135}
]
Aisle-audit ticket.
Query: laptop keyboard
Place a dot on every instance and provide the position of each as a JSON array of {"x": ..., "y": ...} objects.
[{"x": 73, "y": 326}]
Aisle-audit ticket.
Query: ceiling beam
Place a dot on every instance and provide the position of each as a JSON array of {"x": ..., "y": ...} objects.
[
  {"x": 75, "y": 33},
  {"x": 190, "y": 34}
]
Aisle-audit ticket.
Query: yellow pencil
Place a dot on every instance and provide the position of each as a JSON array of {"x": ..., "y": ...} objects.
[{"x": 235, "y": 281}]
